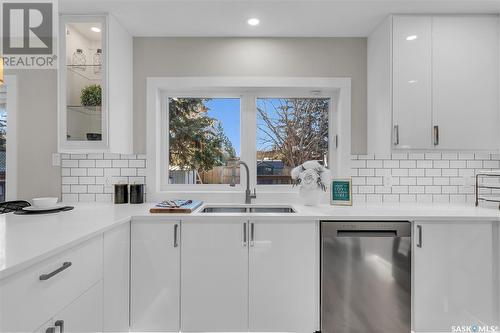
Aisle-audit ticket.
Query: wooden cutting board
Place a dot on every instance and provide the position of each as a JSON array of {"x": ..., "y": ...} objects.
[{"x": 186, "y": 209}]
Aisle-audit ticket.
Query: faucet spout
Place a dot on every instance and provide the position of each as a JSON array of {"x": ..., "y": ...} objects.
[{"x": 248, "y": 194}]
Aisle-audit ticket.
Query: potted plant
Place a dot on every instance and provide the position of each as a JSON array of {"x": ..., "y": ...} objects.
[
  {"x": 312, "y": 178},
  {"x": 91, "y": 95}
]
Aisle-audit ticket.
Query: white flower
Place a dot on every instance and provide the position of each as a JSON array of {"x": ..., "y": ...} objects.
[
  {"x": 309, "y": 178},
  {"x": 295, "y": 173}
]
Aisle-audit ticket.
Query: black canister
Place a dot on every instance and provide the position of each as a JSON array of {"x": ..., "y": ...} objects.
[
  {"x": 137, "y": 193},
  {"x": 121, "y": 193}
]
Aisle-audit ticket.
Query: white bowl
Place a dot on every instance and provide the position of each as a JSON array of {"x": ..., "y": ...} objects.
[{"x": 45, "y": 202}]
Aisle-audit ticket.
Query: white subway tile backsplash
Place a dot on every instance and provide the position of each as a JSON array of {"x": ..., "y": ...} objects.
[
  {"x": 366, "y": 172},
  {"x": 69, "y": 163},
  {"x": 78, "y": 172},
  {"x": 391, "y": 164},
  {"x": 86, "y": 163},
  {"x": 103, "y": 164},
  {"x": 421, "y": 177},
  {"x": 90, "y": 177},
  {"x": 140, "y": 164},
  {"x": 78, "y": 189},
  {"x": 95, "y": 172},
  {"x": 424, "y": 164},
  {"x": 120, "y": 163},
  {"x": 374, "y": 164}
]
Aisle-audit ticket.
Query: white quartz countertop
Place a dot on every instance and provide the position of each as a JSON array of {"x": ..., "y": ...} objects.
[{"x": 27, "y": 239}]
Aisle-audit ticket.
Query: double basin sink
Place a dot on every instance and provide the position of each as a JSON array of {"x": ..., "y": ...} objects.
[{"x": 248, "y": 209}]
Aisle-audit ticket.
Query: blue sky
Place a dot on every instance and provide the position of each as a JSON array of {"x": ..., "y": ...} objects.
[{"x": 227, "y": 111}]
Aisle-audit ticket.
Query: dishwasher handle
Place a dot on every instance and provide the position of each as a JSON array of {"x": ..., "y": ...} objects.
[{"x": 367, "y": 233}]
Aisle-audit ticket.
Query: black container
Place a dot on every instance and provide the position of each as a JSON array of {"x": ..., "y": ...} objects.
[
  {"x": 121, "y": 193},
  {"x": 137, "y": 193}
]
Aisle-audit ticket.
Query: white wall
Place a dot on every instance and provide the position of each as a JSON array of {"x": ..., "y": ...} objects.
[
  {"x": 36, "y": 133},
  {"x": 317, "y": 57}
]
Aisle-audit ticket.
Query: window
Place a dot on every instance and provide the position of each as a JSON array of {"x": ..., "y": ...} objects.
[
  {"x": 200, "y": 129},
  {"x": 290, "y": 131},
  {"x": 204, "y": 140}
]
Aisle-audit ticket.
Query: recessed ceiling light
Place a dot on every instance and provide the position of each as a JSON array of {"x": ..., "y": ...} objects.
[
  {"x": 412, "y": 37},
  {"x": 95, "y": 29},
  {"x": 253, "y": 21},
  {"x": 412, "y": 81}
]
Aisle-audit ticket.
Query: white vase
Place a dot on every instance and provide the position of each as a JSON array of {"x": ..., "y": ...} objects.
[{"x": 310, "y": 197}]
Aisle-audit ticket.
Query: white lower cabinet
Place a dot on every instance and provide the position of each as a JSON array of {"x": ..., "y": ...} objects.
[
  {"x": 283, "y": 276},
  {"x": 214, "y": 287},
  {"x": 257, "y": 275},
  {"x": 155, "y": 274},
  {"x": 455, "y": 278},
  {"x": 82, "y": 315},
  {"x": 116, "y": 272}
]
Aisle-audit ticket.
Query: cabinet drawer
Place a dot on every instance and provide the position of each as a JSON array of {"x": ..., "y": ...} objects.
[{"x": 26, "y": 301}]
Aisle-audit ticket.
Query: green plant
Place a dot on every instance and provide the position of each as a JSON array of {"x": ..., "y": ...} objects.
[{"x": 91, "y": 95}]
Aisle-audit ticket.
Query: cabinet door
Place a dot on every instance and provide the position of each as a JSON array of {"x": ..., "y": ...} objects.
[
  {"x": 155, "y": 276},
  {"x": 412, "y": 115},
  {"x": 453, "y": 275},
  {"x": 465, "y": 81},
  {"x": 84, "y": 314},
  {"x": 214, "y": 276},
  {"x": 283, "y": 276},
  {"x": 116, "y": 270}
]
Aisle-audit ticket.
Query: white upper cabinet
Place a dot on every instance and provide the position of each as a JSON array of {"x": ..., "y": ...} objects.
[
  {"x": 412, "y": 82},
  {"x": 444, "y": 88},
  {"x": 465, "y": 82},
  {"x": 95, "y": 85}
]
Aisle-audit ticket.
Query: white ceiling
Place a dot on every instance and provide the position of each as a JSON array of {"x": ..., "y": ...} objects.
[{"x": 277, "y": 17}]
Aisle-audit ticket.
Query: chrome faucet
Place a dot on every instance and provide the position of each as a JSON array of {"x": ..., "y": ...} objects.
[{"x": 248, "y": 194}]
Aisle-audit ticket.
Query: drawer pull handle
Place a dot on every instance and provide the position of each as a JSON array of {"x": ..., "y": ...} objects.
[
  {"x": 60, "y": 324},
  {"x": 65, "y": 265}
]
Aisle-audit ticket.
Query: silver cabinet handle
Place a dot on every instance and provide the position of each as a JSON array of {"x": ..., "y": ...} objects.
[
  {"x": 419, "y": 230},
  {"x": 176, "y": 227},
  {"x": 244, "y": 234},
  {"x": 64, "y": 266},
  {"x": 252, "y": 232},
  {"x": 60, "y": 323},
  {"x": 436, "y": 135},
  {"x": 396, "y": 135}
]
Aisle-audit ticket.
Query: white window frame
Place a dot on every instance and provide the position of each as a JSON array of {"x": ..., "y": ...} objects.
[{"x": 248, "y": 89}]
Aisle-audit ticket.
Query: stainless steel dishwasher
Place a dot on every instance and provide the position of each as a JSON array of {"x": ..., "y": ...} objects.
[{"x": 365, "y": 277}]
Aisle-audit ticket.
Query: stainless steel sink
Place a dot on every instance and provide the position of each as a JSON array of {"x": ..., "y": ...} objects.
[
  {"x": 279, "y": 210},
  {"x": 248, "y": 209},
  {"x": 224, "y": 210}
]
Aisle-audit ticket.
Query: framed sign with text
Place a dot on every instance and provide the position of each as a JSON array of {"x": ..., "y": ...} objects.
[{"x": 341, "y": 192}]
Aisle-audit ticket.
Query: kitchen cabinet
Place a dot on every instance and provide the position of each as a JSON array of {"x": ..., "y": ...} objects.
[
  {"x": 283, "y": 276},
  {"x": 155, "y": 275},
  {"x": 454, "y": 279},
  {"x": 95, "y": 85},
  {"x": 82, "y": 315},
  {"x": 465, "y": 82},
  {"x": 412, "y": 81},
  {"x": 34, "y": 295},
  {"x": 116, "y": 272},
  {"x": 442, "y": 91},
  {"x": 214, "y": 275}
]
